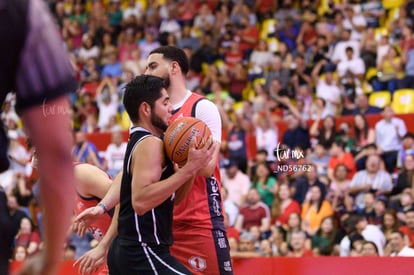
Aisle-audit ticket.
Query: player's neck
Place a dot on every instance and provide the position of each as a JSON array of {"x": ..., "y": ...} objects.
[
  {"x": 149, "y": 127},
  {"x": 177, "y": 92}
]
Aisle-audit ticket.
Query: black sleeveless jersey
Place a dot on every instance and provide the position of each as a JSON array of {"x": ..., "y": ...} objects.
[{"x": 154, "y": 227}]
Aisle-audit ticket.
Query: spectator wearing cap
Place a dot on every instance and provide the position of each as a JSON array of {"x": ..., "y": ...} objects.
[
  {"x": 407, "y": 149},
  {"x": 408, "y": 229},
  {"x": 254, "y": 213},
  {"x": 389, "y": 132},
  {"x": 399, "y": 246},
  {"x": 236, "y": 182},
  {"x": 370, "y": 179}
]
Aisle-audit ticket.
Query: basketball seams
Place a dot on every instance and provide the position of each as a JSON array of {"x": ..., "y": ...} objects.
[{"x": 189, "y": 128}]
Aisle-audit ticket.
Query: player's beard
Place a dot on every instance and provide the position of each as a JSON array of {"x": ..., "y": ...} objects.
[
  {"x": 167, "y": 81},
  {"x": 157, "y": 121}
]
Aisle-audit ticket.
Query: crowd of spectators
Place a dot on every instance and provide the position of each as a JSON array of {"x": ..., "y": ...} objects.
[{"x": 324, "y": 188}]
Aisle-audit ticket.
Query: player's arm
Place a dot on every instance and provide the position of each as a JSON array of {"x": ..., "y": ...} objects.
[
  {"x": 207, "y": 111},
  {"x": 147, "y": 189},
  {"x": 91, "y": 181},
  {"x": 88, "y": 216},
  {"x": 55, "y": 172},
  {"x": 94, "y": 258}
]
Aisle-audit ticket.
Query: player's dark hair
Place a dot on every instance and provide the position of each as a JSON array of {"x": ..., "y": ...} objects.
[
  {"x": 174, "y": 54},
  {"x": 143, "y": 88}
]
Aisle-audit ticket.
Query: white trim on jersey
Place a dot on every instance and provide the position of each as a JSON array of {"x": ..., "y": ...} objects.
[
  {"x": 136, "y": 143},
  {"x": 137, "y": 227},
  {"x": 162, "y": 262},
  {"x": 149, "y": 260},
  {"x": 154, "y": 221}
]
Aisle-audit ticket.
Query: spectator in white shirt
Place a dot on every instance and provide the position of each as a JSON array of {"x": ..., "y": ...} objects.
[
  {"x": 230, "y": 208},
  {"x": 134, "y": 8},
  {"x": 114, "y": 154},
  {"x": 389, "y": 132},
  {"x": 326, "y": 87},
  {"x": 355, "y": 22},
  {"x": 399, "y": 247},
  {"x": 107, "y": 100},
  {"x": 339, "y": 50},
  {"x": 353, "y": 65},
  {"x": 236, "y": 182},
  {"x": 370, "y": 179}
]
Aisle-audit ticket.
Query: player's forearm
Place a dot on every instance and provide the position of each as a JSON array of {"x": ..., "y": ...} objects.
[
  {"x": 112, "y": 197},
  {"x": 112, "y": 230}
]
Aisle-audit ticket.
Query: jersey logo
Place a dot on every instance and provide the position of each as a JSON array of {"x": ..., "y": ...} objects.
[
  {"x": 197, "y": 263},
  {"x": 180, "y": 116}
]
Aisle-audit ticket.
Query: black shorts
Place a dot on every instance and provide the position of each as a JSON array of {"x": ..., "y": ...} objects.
[{"x": 126, "y": 257}]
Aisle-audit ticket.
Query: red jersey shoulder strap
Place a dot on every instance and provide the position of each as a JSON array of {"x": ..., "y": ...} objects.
[{"x": 189, "y": 106}]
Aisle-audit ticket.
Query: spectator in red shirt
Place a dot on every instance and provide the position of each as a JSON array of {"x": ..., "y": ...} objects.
[
  {"x": 248, "y": 35},
  {"x": 255, "y": 213},
  {"x": 339, "y": 156},
  {"x": 27, "y": 237},
  {"x": 283, "y": 205},
  {"x": 297, "y": 243}
]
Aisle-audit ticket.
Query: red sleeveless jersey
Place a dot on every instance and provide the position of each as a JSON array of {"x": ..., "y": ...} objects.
[
  {"x": 99, "y": 227},
  {"x": 202, "y": 208}
]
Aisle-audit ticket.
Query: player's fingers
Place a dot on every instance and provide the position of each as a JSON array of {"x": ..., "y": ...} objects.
[{"x": 193, "y": 143}]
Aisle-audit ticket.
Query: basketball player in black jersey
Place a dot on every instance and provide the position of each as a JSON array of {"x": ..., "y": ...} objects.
[{"x": 149, "y": 185}]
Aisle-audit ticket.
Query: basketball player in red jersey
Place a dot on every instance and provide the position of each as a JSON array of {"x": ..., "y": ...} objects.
[
  {"x": 200, "y": 240},
  {"x": 91, "y": 184}
]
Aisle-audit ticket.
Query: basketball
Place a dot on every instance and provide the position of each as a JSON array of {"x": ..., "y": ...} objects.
[{"x": 178, "y": 135}]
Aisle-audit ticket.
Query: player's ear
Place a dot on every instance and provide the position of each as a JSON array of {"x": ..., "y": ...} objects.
[{"x": 145, "y": 109}]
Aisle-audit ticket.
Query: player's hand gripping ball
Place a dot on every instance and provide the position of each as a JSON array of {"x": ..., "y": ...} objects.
[{"x": 178, "y": 136}]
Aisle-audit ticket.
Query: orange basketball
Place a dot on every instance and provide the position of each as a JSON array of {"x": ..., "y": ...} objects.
[{"x": 179, "y": 134}]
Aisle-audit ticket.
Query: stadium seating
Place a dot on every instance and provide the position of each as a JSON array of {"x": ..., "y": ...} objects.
[
  {"x": 403, "y": 101},
  {"x": 380, "y": 99}
]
